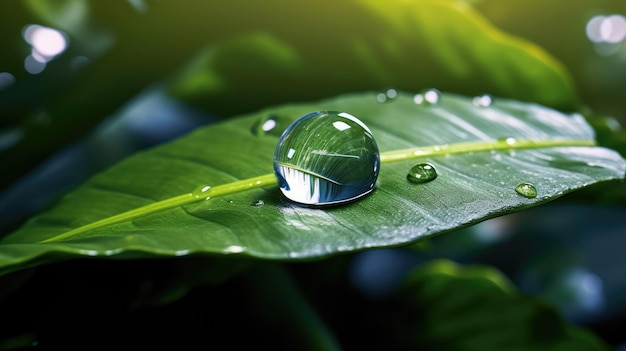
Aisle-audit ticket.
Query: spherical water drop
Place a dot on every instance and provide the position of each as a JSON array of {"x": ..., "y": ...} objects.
[
  {"x": 421, "y": 173},
  {"x": 387, "y": 96},
  {"x": 391, "y": 94},
  {"x": 202, "y": 192},
  {"x": 527, "y": 190},
  {"x": 270, "y": 125},
  {"x": 326, "y": 158},
  {"x": 418, "y": 99},
  {"x": 482, "y": 101}
]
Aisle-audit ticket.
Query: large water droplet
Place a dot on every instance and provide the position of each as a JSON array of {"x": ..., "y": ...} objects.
[
  {"x": 326, "y": 158},
  {"x": 202, "y": 192},
  {"x": 421, "y": 173},
  {"x": 482, "y": 101},
  {"x": 270, "y": 125},
  {"x": 428, "y": 97},
  {"x": 527, "y": 190}
]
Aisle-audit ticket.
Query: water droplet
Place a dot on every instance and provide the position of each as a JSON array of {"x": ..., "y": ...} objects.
[
  {"x": 527, "y": 190},
  {"x": 273, "y": 125},
  {"x": 326, "y": 158},
  {"x": 258, "y": 203},
  {"x": 202, "y": 192},
  {"x": 428, "y": 97},
  {"x": 234, "y": 249},
  {"x": 482, "y": 101},
  {"x": 391, "y": 94},
  {"x": 418, "y": 99},
  {"x": 387, "y": 96},
  {"x": 421, "y": 173}
]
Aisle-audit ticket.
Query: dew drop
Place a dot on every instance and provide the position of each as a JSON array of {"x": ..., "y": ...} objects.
[
  {"x": 272, "y": 124},
  {"x": 202, "y": 192},
  {"x": 428, "y": 97},
  {"x": 258, "y": 203},
  {"x": 387, "y": 96},
  {"x": 391, "y": 94},
  {"x": 482, "y": 101},
  {"x": 418, "y": 99},
  {"x": 326, "y": 158},
  {"x": 421, "y": 173},
  {"x": 527, "y": 190}
]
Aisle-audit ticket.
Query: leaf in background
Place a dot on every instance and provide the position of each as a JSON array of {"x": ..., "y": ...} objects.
[
  {"x": 597, "y": 67},
  {"x": 450, "y": 307},
  {"x": 267, "y": 52},
  {"x": 471, "y": 186},
  {"x": 364, "y": 44}
]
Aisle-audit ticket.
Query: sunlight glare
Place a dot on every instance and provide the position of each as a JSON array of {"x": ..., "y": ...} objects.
[{"x": 606, "y": 29}]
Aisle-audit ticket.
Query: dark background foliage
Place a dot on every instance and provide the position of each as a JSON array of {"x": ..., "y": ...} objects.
[{"x": 138, "y": 73}]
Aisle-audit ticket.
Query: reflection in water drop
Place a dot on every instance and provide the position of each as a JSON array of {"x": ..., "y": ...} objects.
[
  {"x": 326, "y": 158},
  {"x": 527, "y": 190},
  {"x": 482, "y": 101},
  {"x": 428, "y": 97},
  {"x": 421, "y": 173},
  {"x": 202, "y": 192}
]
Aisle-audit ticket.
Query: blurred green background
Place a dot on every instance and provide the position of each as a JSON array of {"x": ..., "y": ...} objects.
[{"x": 83, "y": 84}]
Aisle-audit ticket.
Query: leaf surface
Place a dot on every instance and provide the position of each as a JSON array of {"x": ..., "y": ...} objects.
[
  {"x": 476, "y": 308},
  {"x": 471, "y": 185}
]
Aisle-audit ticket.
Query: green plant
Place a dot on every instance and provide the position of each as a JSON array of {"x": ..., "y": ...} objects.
[{"x": 142, "y": 239}]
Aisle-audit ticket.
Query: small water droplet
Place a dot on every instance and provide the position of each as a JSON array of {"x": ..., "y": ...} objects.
[
  {"x": 270, "y": 125},
  {"x": 326, "y": 158},
  {"x": 428, "y": 97},
  {"x": 482, "y": 101},
  {"x": 527, "y": 190},
  {"x": 421, "y": 173},
  {"x": 387, "y": 96},
  {"x": 508, "y": 140},
  {"x": 202, "y": 192},
  {"x": 234, "y": 249},
  {"x": 258, "y": 203},
  {"x": 418, "y": 99}
]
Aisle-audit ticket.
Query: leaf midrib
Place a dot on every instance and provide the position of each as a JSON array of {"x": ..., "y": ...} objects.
[{"x": 269, "y": 179}]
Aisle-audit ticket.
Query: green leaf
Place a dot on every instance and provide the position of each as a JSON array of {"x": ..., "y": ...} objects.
[
  {"x": 365, "y": 44},
  {"x": 451, "y": 307},
  {"x": 480, "y": 153}
]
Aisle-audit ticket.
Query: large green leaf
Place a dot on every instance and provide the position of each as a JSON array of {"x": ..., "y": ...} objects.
[
  {"x": 480, "y": 153},
  {"x": 449, "y": 307}
]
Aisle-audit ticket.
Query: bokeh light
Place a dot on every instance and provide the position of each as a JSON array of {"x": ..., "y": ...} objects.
[
  {"x": 607, "y": 29},
  {"x": 6, "y": 80},
  {"x": 46, "y": 44}
]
